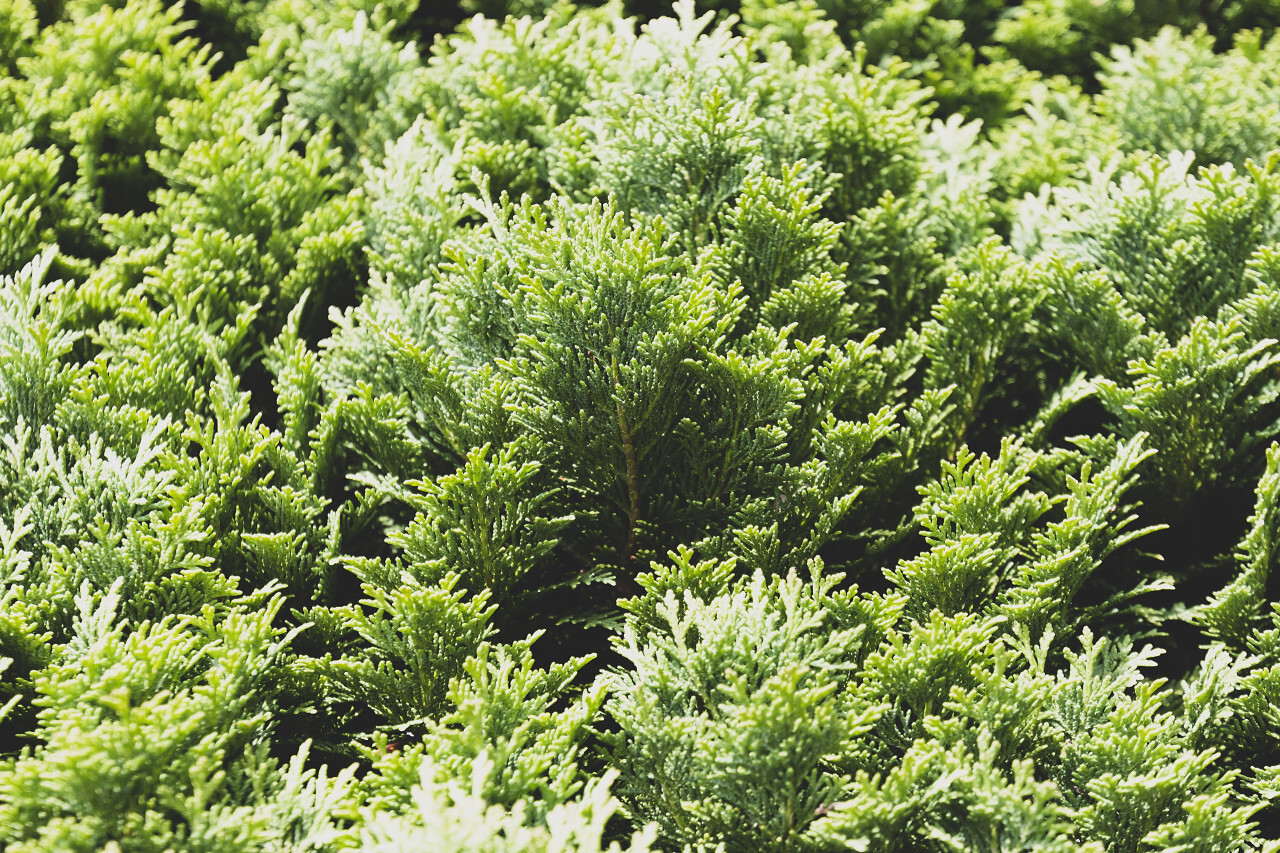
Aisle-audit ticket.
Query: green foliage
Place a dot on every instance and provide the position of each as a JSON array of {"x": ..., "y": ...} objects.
[
  {"x": 1050, "y": 142},
  {"x": 30, "y": 198},
  {"x": 682, "y": 157},
  {"x": 972, "y": 518},
  {"x": 729, "y": 427},
  {"x": 1180, "y": 398},
  {"x": 1068, "y": 551},
  {"x": 498, "y": 92},
  {"x": 36, "y": 335},
  {"x": 1128, "y": 764},
  {"x": 975, "y": 320},
  {"x": 452, "y": 818},
  {"x": 913, "y": 807},
  {"x": 1168, "y": 94},
  {"x": 162, "y": 735},
  {"x": 944, "y": 42},
  {"x": 1237, "y": 607},
  {"x": 1174, "y": 245},
  {"x": 599, "y": 360},
  {"x": 487, "y": 523},
  {"x": 18, "y": 29},
  {"x": 414, "y": 637},
  {"x": 502, "y": 719},
  {"x": 101, "y": 82},
  {"x": 727, "y": 691},
  {"x": 412, "y": 210},
  {"x": 356, "y": 81},
  {"x": 779, "y": 250},
  {"x": 1063, "y": 36}
]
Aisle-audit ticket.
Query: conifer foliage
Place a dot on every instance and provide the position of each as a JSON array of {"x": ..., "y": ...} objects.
[{"x": 787, "y": 425}]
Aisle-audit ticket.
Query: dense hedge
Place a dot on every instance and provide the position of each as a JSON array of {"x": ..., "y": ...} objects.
[{"x": 775, "y": 426}]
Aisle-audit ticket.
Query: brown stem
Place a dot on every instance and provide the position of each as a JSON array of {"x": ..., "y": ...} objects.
[{"x": 633, "y": 483}]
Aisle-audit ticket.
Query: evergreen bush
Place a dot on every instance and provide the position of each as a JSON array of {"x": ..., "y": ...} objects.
[{"x": 787, "y": 425}]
